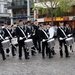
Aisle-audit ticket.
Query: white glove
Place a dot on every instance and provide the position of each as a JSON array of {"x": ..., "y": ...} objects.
[
  {"x": 33, "y": 34},
  {"x": 28, "y": 36},
  {"x": 60, "y": 38},
  {"x": 70, "y": 35},
  {"x": 49, "y": 38},
  {"x": 21, "y": 38},
  {"x": 43, "y": 40},
  {"x": 6, "y": 38}
]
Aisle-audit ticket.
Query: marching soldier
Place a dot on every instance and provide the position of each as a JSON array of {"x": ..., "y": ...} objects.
[
  {"x": 14, "y": 37},
  {"x": 20, "y": 32},
  {"x": 36, "y": 27},
  {"x": 52, "y": 49},
  {"x": 8, "y": 32},
  {"x": 39, "y": 40},
  {"x": 1, "y": 39},
  {"x": 61, "y": 33},
  {"x": 69, "y": 33},
  {"x": 44, "y": 38},
  {"x": 30, "y": 34},
  {"x": 36, "y": 36}
]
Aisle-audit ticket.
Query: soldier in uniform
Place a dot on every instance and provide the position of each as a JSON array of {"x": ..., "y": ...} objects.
[
  {"x": 20, "y": 32},
  {"x": 8, "y": 33},
  {"x": 44, "y": 38},
  {"x": 1, "y": 39},
  {"x": 31, "y": 34},
  {"x": 61, "y": 33},
  {"x": 69, "y": 33},
  {"x": 36, "y": 39}
]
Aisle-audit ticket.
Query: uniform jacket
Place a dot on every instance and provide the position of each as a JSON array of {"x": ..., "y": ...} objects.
[{"x": 60, "y": 33}]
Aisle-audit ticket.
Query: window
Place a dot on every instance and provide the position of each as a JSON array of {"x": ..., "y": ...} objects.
[
  {"x": 5, "y": 5},
  {"x": 23, "y": 2},
  {"x": 19, "y": 2},
  {"x": 14, "y": 2},
  {"x": 5, "y": 10}
]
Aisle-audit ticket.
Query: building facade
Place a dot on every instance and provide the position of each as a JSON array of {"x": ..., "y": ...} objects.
[
  {"x": 4, "y": 15},
  {"x": 20, "y": 9}
]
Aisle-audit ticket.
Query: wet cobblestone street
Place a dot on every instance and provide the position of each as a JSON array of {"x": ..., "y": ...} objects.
[{"x": 38, "y": 66}]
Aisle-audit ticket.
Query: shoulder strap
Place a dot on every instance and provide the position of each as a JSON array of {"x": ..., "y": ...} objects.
[
  {"x": 63, "y": 32},
  {"x": 1, "y": 37},
  {"x": 45, "y": 33},
  {"x": 22, "y": 31},
  {"x": 9, "y": 33}
]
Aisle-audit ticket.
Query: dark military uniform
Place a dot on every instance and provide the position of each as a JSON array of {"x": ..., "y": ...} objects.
[
  {"x": 1, "y": 49},
  {"x": 44, "y": 39},
  {"x": 60, "y": 34},
  {"x": 8, "y": 33},
  {"x": 21, "y": 41},
  {"x": 30, "y": 31}
]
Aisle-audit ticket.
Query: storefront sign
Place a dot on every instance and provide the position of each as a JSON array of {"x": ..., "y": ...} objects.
[{"x": 59, "y": 19}]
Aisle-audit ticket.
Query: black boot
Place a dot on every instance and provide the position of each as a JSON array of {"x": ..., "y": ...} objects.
[
  {"x": 53, "y": 52},
  {"x": 33, "y": 51},
  {"x": 3, "y": 54},
  {"x": 61, "y": 54}
]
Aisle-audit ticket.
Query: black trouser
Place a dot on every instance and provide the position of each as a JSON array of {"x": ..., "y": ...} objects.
[
  {"x": 13, "y": 50},
  {"x": 35, "y": 42},
  {"x": 48, "y": 51},
  {"x": 71, "y": 48},
  {"x": 66, "y": 49},
  {"x": 21, "y": 44},
  {"x": 39, "y": 44},
  {"x": 2, "y": 52}
]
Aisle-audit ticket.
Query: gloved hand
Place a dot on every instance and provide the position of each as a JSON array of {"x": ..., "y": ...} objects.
[
  {"x": 6, "y": 38},
  {"x": 21, "y": 38},
  {"x": 69, "y": 35},
  {"x": 43, "y": 40},
  {"x": 60, "y": 38}
]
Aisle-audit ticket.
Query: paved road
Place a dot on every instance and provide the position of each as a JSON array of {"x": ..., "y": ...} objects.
[{"x": 38, "y": 66}]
